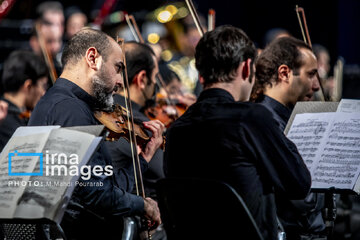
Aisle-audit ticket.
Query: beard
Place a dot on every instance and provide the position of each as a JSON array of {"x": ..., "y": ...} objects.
[{"x": 103, "y": 91}]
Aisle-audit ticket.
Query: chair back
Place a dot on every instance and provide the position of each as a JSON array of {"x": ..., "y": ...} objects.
[{"x": 204, "y": 209}]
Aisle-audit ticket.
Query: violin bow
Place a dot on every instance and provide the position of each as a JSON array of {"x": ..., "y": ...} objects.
[
  {"x": 307, "y": 40},
  {"x": 130, "y": 20},
  {"x": 48, "y": 59},
  {"x": 195, "y": 16},
  {"x": 211, "y": 20},
  {"x": 307, "y": 37},
  {"x": 132, "y": 140},
  {"x": 139, "y": 183}
]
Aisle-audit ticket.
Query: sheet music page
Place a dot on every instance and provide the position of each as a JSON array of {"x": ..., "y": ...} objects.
[
  {"x": 339, "y": 163},
  {"x": 60, "y": 211},
  {"x": 23, "y": 141},
  {"x": 349, "y": 106},
  {"x": 330, "y": 146},
  {"x": 95, "y": 130},
  {"x": 32, "y": 130},
  {"x": 310, "y": 107},
  {"x": 43, "y": 200},
  {"x": 308, "y": 132}
]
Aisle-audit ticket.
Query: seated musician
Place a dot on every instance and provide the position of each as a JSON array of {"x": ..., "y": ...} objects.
[
  {"x": 142, "y": 68},
  {"x": 174, "y": 87},
  {"x": 222, "y": 138},
  {"x": 295, "y": 79},
  {"x": 24, "y": 81},
  {"x": 50, "y": 17},
  {"x": 93, "y": 65}
]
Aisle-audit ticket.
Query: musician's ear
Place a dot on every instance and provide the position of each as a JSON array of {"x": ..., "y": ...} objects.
[
  {"x": 27, "y": 85},
  {"x": 201, "y": 79},
  {"x": 140, "y": 79},
  {"x": 245, "y": 69},
  {"x": 284, "y": 73},
  {"x": 93, "y": 58}
]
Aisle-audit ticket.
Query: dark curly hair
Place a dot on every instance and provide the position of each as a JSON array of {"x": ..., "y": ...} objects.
[
  {"x": 220, "y": 52},
  {"x": 282, "y": 51}
]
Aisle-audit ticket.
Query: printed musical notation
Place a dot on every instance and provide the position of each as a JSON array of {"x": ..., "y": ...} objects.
[
  {"x": 311, "y": 126},
  {"x": 332, "y": 181},
  {"x": 345, "y": 127},
  {"x": 307, "y": 133},
  {"x": 330, "y": 146},
  {"x": 20, "y": 164}
]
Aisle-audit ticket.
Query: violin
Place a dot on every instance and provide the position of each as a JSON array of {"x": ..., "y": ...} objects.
[
  {"x": 165, "y": 110},
  {"x": 117, "y": 125}
]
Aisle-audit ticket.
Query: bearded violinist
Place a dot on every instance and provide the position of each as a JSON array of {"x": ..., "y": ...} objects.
[{"x": 93, "y": 65}]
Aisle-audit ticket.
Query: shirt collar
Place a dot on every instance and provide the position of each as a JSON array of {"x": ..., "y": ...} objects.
[
  {"x": 121, "y": 100},
  {"x": 78, "y": 92},
  {"x": 283, "y": 111},
  {"x": 11, "y": 106}
]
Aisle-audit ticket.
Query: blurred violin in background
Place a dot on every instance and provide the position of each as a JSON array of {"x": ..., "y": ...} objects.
[
  {"x": 165, "y": 110},
  {"x": 170, "y": 102}
]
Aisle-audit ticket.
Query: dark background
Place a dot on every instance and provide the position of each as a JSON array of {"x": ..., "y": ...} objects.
[{"x": 333, "y": 23}]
